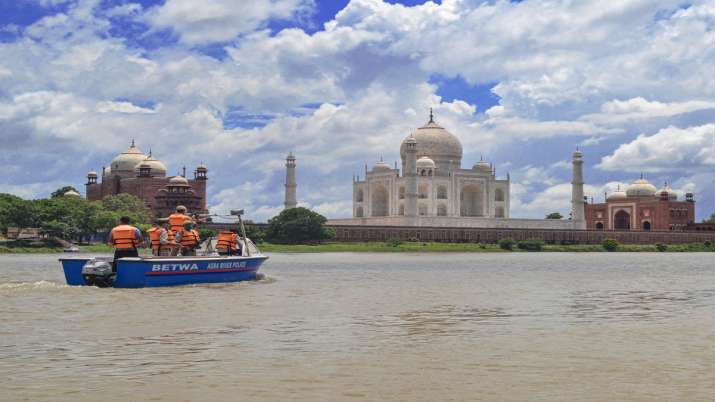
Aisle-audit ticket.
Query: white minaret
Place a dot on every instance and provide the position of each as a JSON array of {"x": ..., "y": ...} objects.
[
  {"x": 410, "y": 174},
  {"x": 290, "y": 194},
  {"x": 578, "y": 213}
]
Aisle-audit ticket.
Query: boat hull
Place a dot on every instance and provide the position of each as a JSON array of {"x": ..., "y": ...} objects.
[{"x": 138, "y": 272}]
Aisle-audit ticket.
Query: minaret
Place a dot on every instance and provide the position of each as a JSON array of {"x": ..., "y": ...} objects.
[
  {"x": 577, "y": 203},
  {"x": 410, "y": 174},
  {"x": 290, "y": 197}
]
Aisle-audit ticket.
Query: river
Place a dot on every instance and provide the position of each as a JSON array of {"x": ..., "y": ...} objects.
[{"x": 332, "y": 327}]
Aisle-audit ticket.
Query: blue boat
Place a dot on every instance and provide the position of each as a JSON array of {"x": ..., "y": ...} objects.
[
  {"x": 152, "y": 271},
  {"x": 139, "y": 272}
]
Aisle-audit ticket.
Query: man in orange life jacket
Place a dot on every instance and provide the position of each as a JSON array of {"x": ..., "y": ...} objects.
[
  {"x": 160, "y": 238},
  {"x": 167, "y": 245},
  {"x": 188, "y": 238},
  {"x": 125, "y": 239},
  {"x": 177, "y": 219},
  {"x": 227, "y": 243}
]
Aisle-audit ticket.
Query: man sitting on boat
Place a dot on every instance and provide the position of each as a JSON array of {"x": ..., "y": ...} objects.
[
  {"x": 188, "y": 239},
  {"x": 125, "y": 239},
  {"x": 227, "y": 243}
]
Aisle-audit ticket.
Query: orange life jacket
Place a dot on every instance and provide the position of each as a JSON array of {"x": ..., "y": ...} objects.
[
  {"x": 170, "y": 241},
  {"x": 176, "y": 220},
  {"x": 227, "y": 241},
  {"x": 124, "y": 237},
  {"x": 189, "y": 238},
  {"x": 155, "y": 238}
]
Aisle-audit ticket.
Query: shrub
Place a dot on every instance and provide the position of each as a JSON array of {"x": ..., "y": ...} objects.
[
  {"x": 707, "y": 243},
  {"x": 393, "y": 242},
  {"x": 661, "y": 246},
  {"x": 610, "y": 244},
  {"x": 482, "y": 245},
  {"x": 531, "y": 245},
  {"x": 506, "y": 243}
]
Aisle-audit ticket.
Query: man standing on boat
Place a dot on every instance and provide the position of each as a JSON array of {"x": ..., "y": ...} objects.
[
  {"x": 159, "y": 237},
  {"x": 188, "y": 238},
  {"x": 125, "y": 239},
  {"x": 177, "y": 219},
  {"x": 167, "y": 246}
]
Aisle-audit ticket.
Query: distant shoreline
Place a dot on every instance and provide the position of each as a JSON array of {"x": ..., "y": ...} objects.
[{"x": 386, "y": 247}]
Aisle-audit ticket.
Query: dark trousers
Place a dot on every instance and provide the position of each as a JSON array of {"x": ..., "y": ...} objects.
[{"x": 120, "y": 253}]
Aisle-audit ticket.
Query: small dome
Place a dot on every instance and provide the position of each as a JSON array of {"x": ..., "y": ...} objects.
[
  {"x": 617, "y": 195},
  {"x": 667, "y": 192},
  {"x": 128, "y": 160},
  {"x": 201, "y": 168},
  {"x": 71, "y": 193},
  {"x": 425, "y": 163},
  {"x": 381, "y": 166},
  {"x": 178, "y": 181},
  {"x": 158, "y": 169},
  {"x": 482, "y": 166},
  {"x": 641, "y": 188},
  {"x": 92, "y": 174}
]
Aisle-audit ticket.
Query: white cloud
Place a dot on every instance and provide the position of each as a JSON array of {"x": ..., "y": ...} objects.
[
  {"x": 640, "y": 109},
  {"x": 220, "y": 20},
  {"x": 669, "y": 149},
  {"x": 121, "y": 107}
]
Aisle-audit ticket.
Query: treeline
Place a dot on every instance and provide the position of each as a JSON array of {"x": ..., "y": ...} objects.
[{"x": 71, "y": 217}]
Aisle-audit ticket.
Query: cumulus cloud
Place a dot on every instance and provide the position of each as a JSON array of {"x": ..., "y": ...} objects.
[
  {"x": 671, "y": 148},
  {"x": 220, "y": 20}
]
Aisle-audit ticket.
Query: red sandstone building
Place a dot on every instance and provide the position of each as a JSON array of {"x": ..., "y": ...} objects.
[
  {"x": 141, "y": 175},
  {"x": 642, "y": 207}
]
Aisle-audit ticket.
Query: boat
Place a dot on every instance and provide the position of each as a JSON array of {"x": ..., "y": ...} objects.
[
  {"x": 73, "y": 249},
  {"x": 153, "y": 271}
]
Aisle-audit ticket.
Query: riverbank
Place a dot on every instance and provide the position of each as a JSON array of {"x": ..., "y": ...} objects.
[
  {"x": 376, "y": 247},
  {"x": 394, "y": 247}
]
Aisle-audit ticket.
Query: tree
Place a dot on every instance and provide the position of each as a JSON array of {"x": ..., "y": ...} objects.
[
  {"x": 297, "y": 225},
  {"x": 61, "y": 191},
  {"x": 711, "y": 219},
  {"x": 124, "y": 204},
  {"x": 554, "y": 215}
]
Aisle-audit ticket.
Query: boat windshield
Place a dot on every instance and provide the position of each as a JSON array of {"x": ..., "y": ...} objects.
[{"x": 251, "y": 247}]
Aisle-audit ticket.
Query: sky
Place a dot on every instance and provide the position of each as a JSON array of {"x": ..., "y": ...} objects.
[{"x": 237, "y": 85}]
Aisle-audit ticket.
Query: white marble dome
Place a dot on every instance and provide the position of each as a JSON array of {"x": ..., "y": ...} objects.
[
  {"x": 437, "y": 143},
  {"x": 425, "y": 163},
  {"x": 667, "y": 192},
  {"x": 178, "y": 181},
  {"x": 381, "y": 166},
  {"x": 482, "y": 166},
  {"x": 619, "y": 194},
  {"x": 158, "y": 169},
  {"x": 641, "y": 188},
  {"x": 71, "y": 193},
  {"x": 128, "y": 160}
]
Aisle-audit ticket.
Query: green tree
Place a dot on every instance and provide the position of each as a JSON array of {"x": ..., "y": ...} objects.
[
  {"x": 554, "y": 215},
  {"x": 16, "y": 212},
  {"x": 61, "y": 191},
  {"x": 711, "y": 219},
  {"x": 128, "y": 205},
  {"x": 298, "y": 225}
]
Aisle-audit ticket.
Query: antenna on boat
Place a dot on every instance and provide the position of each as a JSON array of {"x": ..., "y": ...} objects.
[{"x": 239, "y": 212}]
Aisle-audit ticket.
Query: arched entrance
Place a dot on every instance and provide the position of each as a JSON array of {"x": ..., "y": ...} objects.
[
  {"x": 646, "y": 226},
  {"x": 599, "y": 226},
  {"x": 471, "y": 201},
  {"x": 622, "y": 220},
  {"x": 380, "y": 200}
]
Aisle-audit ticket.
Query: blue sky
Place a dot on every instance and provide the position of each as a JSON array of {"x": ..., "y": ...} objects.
[{"x": 341, "y": 83}]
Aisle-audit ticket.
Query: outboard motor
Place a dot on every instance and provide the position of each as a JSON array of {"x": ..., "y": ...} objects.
[{"x": 98, "y": 273}]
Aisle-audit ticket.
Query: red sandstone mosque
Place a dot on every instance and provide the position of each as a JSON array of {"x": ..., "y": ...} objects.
[
  {"x": 141, "y": 175},
  {"x": 642, "y": 207}
]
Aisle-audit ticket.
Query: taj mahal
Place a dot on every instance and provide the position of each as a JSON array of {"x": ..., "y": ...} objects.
[
  {"x": 432, "y": 189},
  {"x": 443, "y": 188}
]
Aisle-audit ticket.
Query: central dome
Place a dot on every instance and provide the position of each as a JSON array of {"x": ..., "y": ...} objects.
[
  {"x": 125, "y": 162},
  {"x": 641, "y": 188},
  {"x": 438, "y": 144}
]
